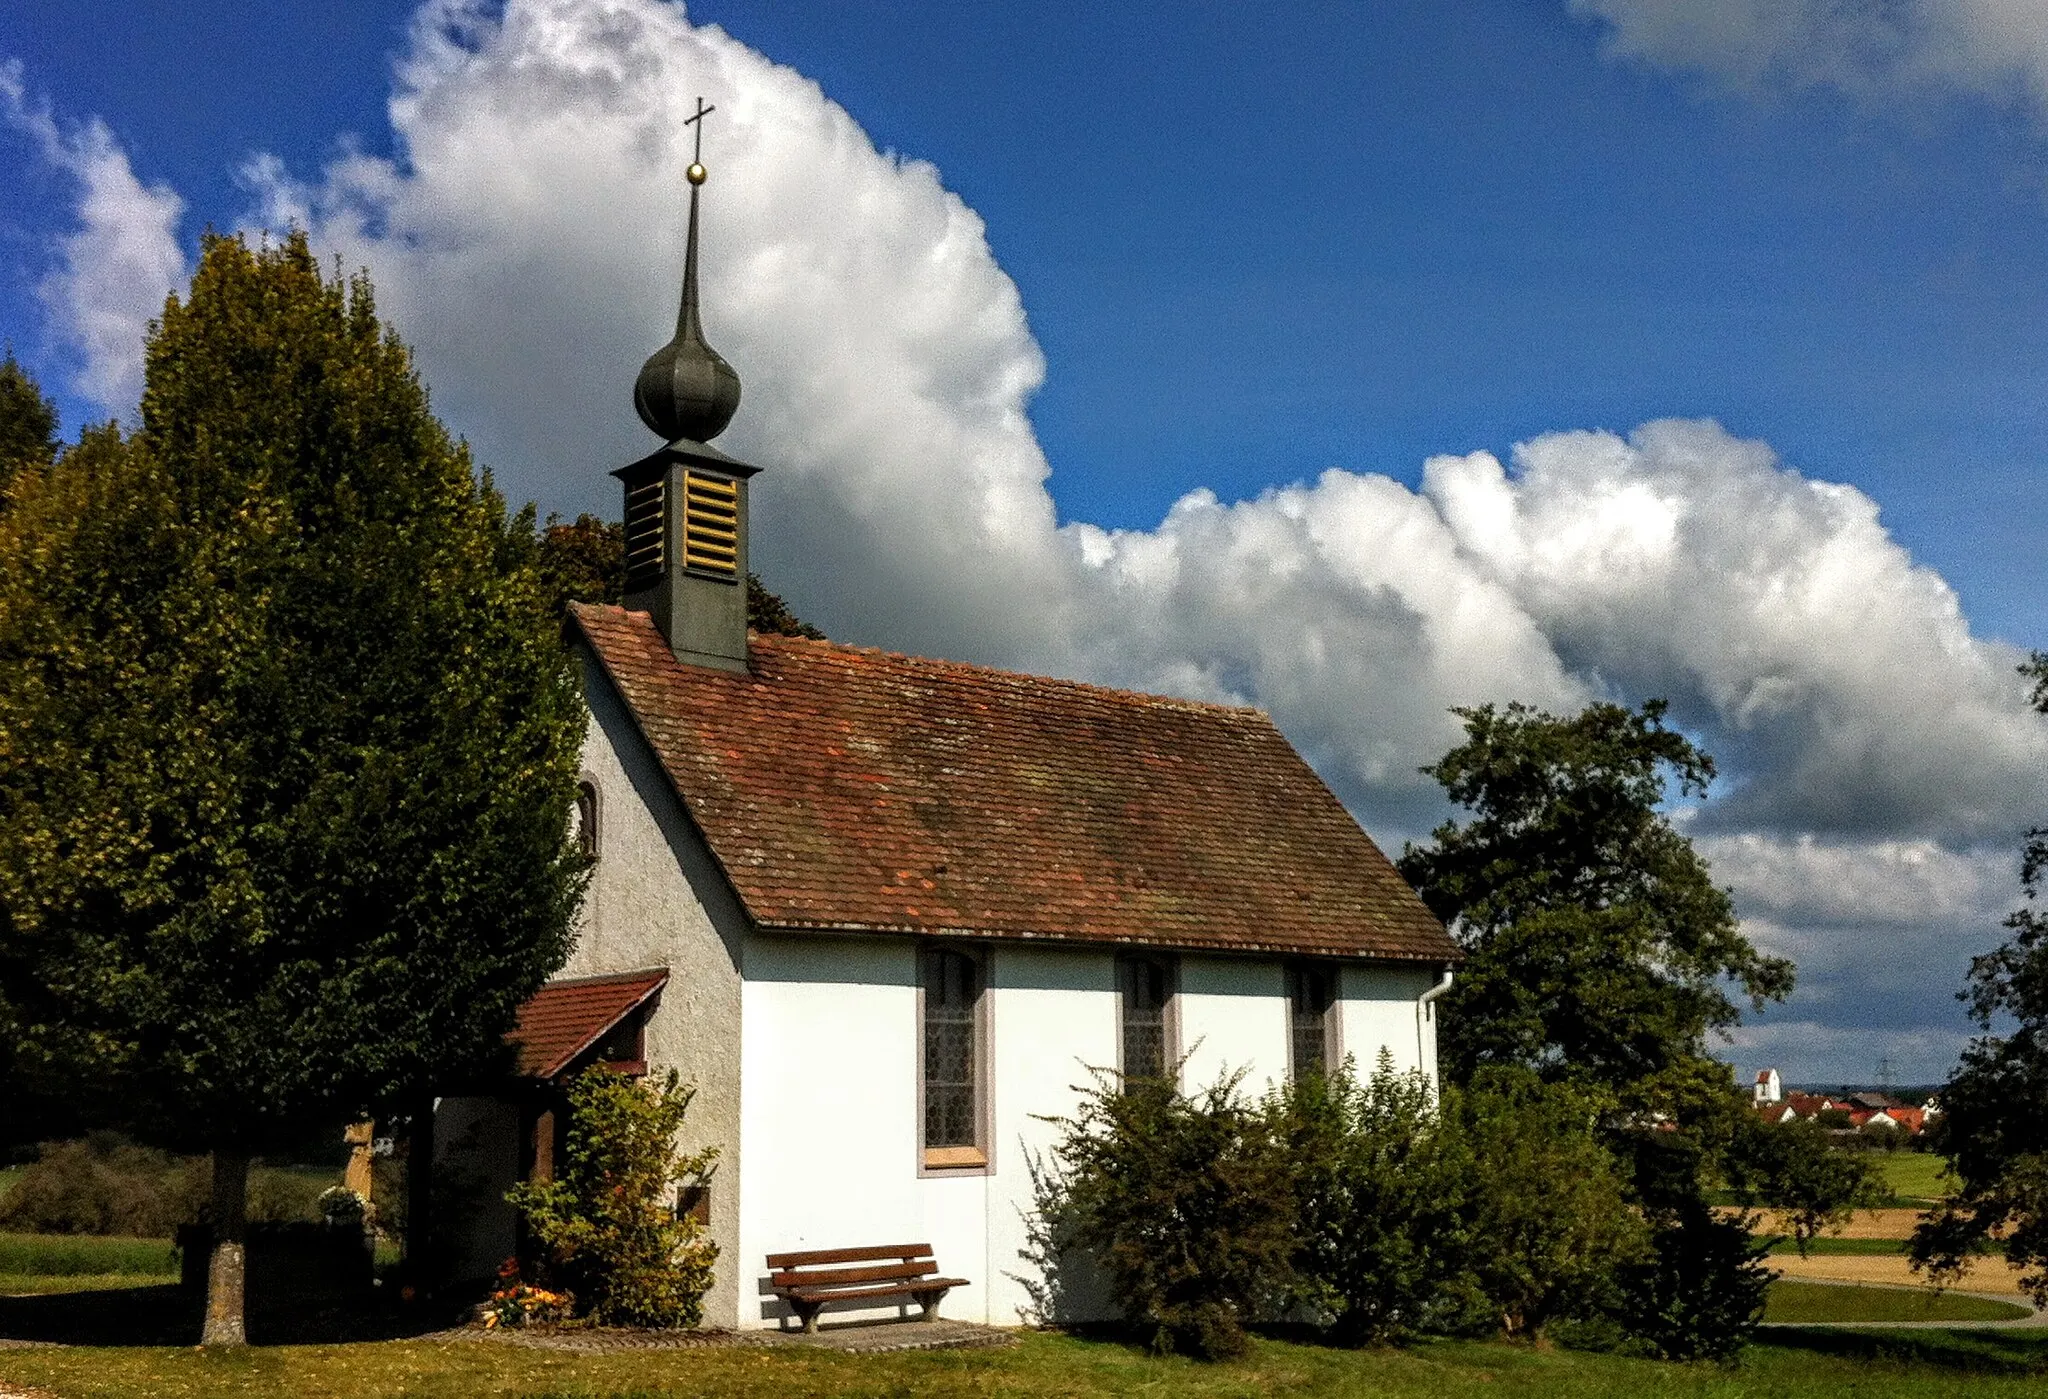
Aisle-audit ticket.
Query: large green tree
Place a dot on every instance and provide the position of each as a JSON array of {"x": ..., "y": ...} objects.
[
  {"x": 288, "y": 741},
  {"x": 28, "y": 427},
  {"x": 1993, "y": 1124},
  {"x": 1598, "y": 946},
  {"x": 1600, "y": 952}
]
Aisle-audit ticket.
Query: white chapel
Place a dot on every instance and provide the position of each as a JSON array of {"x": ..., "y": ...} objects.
[{"x": 887, "y": 912}]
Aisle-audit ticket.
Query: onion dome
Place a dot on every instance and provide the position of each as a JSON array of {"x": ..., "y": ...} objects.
[{"x": 686, "y": 390}]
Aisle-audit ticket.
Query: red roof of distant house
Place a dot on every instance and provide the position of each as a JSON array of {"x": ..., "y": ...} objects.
[
  {"x": 845, "y": 788},
  {"x": 565, "y": 1018}
]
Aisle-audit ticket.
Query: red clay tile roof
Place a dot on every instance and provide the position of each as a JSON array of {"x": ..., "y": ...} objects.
[
  {"x": 564, "y": 1018},
  {"x": 844, "y": 788}
]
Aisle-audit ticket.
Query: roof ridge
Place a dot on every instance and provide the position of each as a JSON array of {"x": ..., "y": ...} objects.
[{"x": 1121, "y": 694}]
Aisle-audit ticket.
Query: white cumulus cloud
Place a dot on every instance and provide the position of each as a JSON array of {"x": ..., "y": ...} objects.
[
  {"x": 525, "y": 237},
  {"x": 1840, "y": 679},
  {"x": 115, "y": 269}
]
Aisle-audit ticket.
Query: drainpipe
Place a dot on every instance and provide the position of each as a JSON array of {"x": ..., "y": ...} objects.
[{"x": 1422, "y": 1014}]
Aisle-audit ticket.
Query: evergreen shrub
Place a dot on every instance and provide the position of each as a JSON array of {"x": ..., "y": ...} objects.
[
  {"x": 1182, "y": 1202},
  {"x": 1373, "y": 1208},
  {"x": 1382, "y": 1191}
]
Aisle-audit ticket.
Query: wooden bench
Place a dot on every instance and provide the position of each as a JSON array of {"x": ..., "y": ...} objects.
[{"x": 807, "y": 1281}]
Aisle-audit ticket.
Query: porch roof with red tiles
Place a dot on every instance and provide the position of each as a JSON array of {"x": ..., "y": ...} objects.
[
  {"x": 565, "y": 1018},
  {"x": 842, "y": 788}
]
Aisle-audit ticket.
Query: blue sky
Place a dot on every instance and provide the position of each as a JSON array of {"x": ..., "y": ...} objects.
[
  {"x": 1256, "y": 242},
  {"x": 1298, "y": 355}
]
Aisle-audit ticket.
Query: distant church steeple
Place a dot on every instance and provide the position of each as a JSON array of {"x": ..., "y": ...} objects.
[{"x": 686, "y": 505}]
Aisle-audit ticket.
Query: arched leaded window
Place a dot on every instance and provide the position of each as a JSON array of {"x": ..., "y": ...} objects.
[{"x": 586, "y": 818}]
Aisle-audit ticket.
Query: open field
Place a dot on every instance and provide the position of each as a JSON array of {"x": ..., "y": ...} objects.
[
  {"x": 1864, "y": 1224},
  {"x": 1815, "y": 1302},
  {"x": 49, "y": 1263},
  {"x": 1826, "y": 1246},
  {"x": 1820, "y": 1365},
  {"x": 1916, "y": 1176},
  {"x": 1984, "y": 1275}
]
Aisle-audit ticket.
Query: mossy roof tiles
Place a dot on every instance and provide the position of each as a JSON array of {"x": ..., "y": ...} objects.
[{"x": 847, "y": 788}]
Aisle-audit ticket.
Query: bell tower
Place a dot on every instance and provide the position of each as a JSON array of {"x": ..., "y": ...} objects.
[{"x": 686, "y": 503}]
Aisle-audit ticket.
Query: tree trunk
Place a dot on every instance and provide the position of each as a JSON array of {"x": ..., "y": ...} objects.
[{"x": 226, "y": 1270}]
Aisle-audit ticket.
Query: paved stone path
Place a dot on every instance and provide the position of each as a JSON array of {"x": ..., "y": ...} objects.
[{"x": 880, "y": 1338}]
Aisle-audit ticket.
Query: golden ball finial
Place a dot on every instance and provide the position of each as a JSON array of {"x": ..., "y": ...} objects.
[{"x": 696, "y": 174}]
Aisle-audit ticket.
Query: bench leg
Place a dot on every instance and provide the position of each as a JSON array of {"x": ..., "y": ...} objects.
[
  {"x": 807, "y": 1312},
  {"x": 930, "y": 1302}
]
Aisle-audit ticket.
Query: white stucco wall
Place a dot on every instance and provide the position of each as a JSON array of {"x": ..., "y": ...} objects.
[
  {"x": 829, "y": 1101},
  {"x": 830, "y": 1109},
  {"x": 657, "y": 899},
  {"x": 1233, "y": 1016},
  {"x": 1377, "y": 1010}
]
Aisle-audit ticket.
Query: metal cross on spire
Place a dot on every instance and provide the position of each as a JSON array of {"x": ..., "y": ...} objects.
[{"x": 696, "y": 171}]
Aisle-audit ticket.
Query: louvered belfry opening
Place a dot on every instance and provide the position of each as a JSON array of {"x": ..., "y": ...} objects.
[
  {"x": 711, "y": 524},
  {"x": 645, "y": 554}
]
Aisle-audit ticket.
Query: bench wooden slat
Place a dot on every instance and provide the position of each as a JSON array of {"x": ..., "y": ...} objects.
[
  {"x": 893, "y": 1290},
  {"x": 848, "y": 1277},
  {"x": 807, "y": 1282},
  {"x": 778, "y": 1261}
]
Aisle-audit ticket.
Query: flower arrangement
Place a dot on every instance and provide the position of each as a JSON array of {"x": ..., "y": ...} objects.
[
  {"x": 342, "y": 1208},
  {"x": 516, "y": 1303}
]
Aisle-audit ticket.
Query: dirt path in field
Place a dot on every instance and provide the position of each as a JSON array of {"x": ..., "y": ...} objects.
[
  {"x": 1864, "y": 1224},
  {"x": 1985, "y": 1275}
]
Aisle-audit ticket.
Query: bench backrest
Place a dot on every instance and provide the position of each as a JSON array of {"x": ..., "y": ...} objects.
[{"x": 816, "y": 1269}]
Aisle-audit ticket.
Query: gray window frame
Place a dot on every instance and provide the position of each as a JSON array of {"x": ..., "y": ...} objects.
[
  {"x": 984, "y": 1106},
  {"x": 1170, "y": 1053}
]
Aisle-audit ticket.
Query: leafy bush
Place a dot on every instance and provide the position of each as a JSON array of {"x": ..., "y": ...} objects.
[
  {"x": 1700, "y": 1293},
  {"x": 104, "y": 1184},
  {"x": 607, "y": 1223},
  {"x": 1548, "y": 1218},
  {"x": 1381, "y": 1184},
  {"x": 1184, "y": 1204}
]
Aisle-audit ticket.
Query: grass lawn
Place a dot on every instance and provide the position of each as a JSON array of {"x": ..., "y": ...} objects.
[
  {"x": 72, "y": 1255},
  {"x": 1825, "y": 1247},
  {"x": 1915, "y": 1176},
  {"x": 46, "y": 1263},
  {"x": 46, "y": 1284},
  {"x": 1899, "y": 1365},
  {"x": 1823, "y": 1302}
]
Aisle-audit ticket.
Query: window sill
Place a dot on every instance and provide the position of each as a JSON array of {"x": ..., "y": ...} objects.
[{"x": 943, "y": 1158}]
